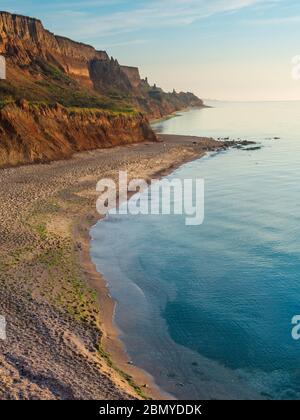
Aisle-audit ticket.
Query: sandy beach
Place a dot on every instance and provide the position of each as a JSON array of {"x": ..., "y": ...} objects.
[{"x": 61, "y": 339}]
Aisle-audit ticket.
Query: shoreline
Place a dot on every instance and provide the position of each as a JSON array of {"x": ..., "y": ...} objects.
[
  {"x": 112, "y": 343},
  {"x": 57, "y": 306},
  {"x": 176, "y": 114}
]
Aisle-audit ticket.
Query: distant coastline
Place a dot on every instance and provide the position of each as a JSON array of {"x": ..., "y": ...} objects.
[{"x": 176, "y": 114}]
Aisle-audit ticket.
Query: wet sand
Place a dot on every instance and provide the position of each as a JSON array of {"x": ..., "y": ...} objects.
[{"x": 61, "y": 339}]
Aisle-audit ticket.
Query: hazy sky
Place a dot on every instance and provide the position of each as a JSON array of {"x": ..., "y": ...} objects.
[{"x": 220, "y": 49}]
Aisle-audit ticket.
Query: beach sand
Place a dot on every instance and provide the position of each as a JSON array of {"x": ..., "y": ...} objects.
[{"x": 61, "y": 339}]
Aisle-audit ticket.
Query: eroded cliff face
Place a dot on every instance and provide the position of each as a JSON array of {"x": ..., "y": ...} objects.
[
  {"x": 23, "y": 40},
  {"x": 40, "y": 134},
  {"x": 45, "y": 71},
  {"x": 133, "y": 75},
  {"x": 45, "y": 66}
]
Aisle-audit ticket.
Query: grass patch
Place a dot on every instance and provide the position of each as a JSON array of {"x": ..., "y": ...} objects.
[
  {"x": 42, "y": 231},
  {"x": 57, "y": 278},
  {"x": 104, "y": 355},
  {"x": 50, "y": 85},
  {"x": 53, "y": 72}
]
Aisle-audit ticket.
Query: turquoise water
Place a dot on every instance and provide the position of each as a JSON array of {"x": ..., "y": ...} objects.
[{"x": 207, "y": 310}]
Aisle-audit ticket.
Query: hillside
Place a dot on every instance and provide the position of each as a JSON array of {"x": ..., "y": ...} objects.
[{"x": 46, "y": 70}]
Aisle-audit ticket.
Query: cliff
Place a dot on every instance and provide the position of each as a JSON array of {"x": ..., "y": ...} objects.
[
  {"x": 133, "y": 75},
  {"x": 24, "y": 41},
  {"x": 44, "y": 70},
  {"x": 31, "y": 133}
]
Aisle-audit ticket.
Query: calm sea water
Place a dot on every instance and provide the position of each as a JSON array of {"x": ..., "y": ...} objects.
[{"x": 207, "y": 310}]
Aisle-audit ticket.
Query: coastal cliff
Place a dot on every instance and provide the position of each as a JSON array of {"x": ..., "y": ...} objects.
[
  {"x": 67, "y": 84},
  {"x": 42, "y": 133}
]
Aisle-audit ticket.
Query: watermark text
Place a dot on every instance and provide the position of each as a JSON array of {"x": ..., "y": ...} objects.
[{"x": 166, "y": 197}]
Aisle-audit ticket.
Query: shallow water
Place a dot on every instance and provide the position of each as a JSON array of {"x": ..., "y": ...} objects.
[{"x": 207, "y": 310}]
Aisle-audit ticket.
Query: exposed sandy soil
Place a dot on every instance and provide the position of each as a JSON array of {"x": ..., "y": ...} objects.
[{"x": 59, "y": 314}]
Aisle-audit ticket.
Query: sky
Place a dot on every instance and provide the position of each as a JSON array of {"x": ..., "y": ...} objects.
[{"x": 219, "y": 49}]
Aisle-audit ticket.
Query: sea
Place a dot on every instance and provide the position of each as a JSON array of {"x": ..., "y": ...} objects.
[{"x": 207, "y": 310}]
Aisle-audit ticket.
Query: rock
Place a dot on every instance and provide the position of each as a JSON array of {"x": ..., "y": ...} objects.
[{"x": 253, "y": 148}]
